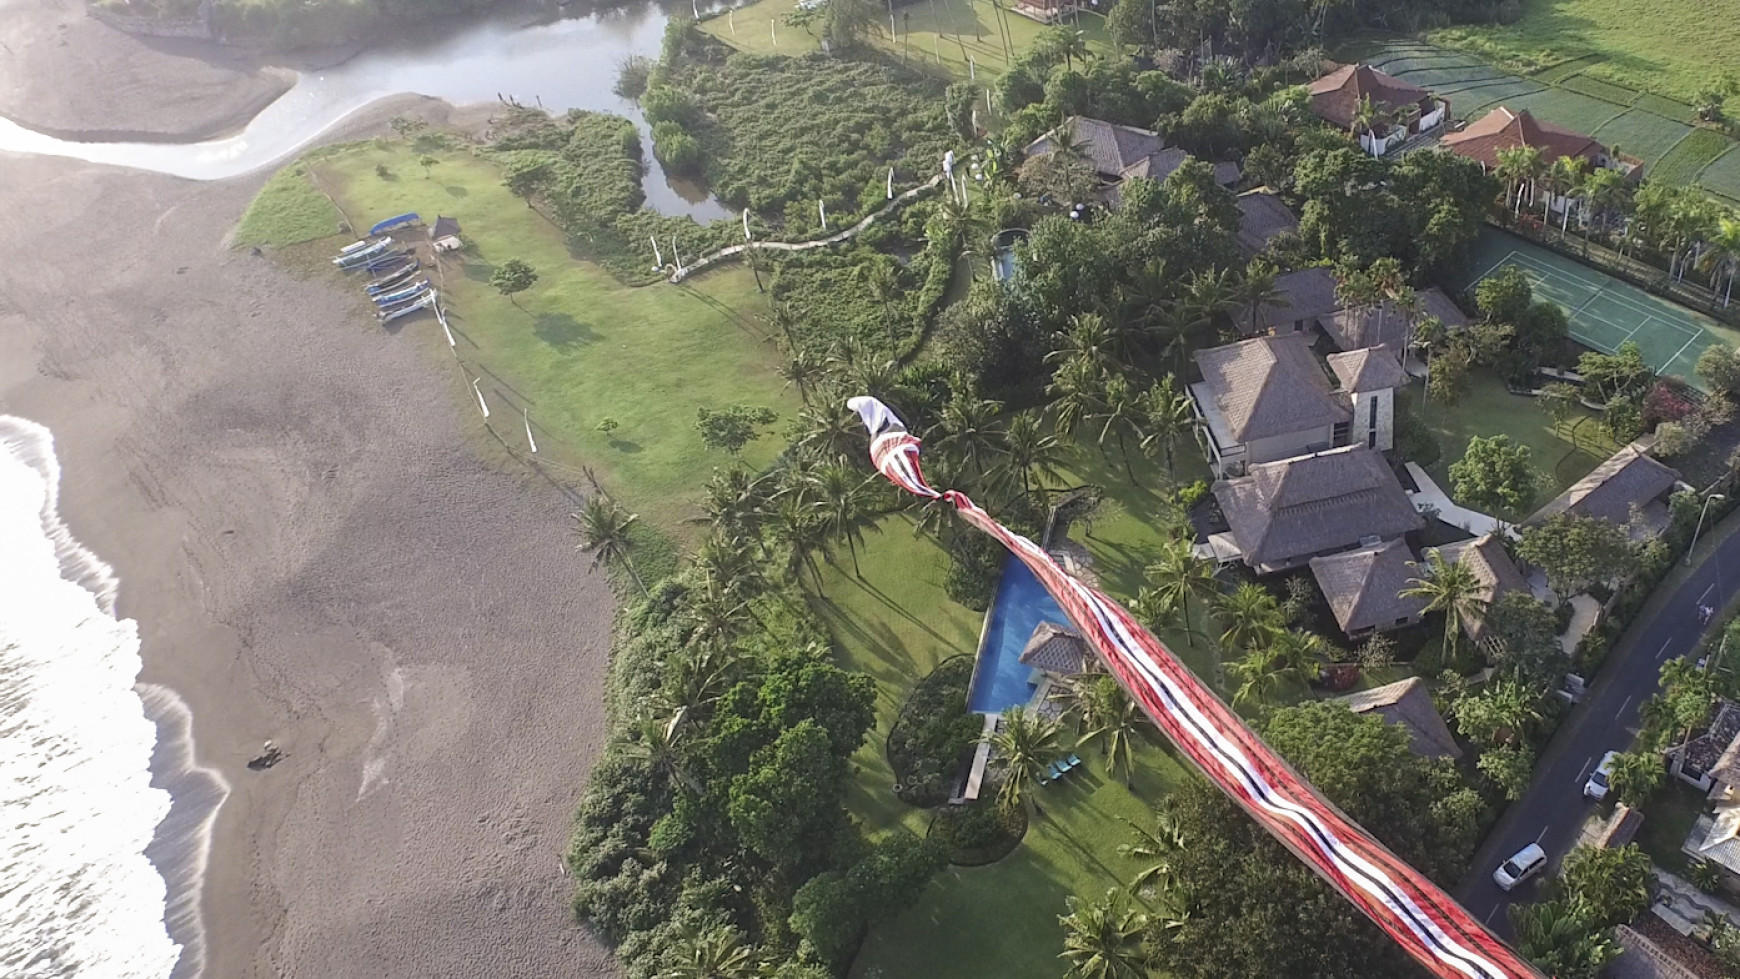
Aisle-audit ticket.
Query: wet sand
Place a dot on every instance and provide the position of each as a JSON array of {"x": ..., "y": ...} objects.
[{"x": 294, "y": 504}]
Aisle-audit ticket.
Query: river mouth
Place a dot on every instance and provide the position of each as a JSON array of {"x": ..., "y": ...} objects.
[{"x": 556, "y": 64}]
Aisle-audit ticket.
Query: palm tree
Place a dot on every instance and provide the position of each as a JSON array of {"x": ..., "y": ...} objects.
[
  {"x": 1518, "y": 167},
  {"x": 1563, "y": 939},
  {"x": 1177, "y": 574},
  {"x": 1249, "y": 616},
  {"x": 799, "y": 530},
  {"x": 1726, "y": 244},
  {"x": 1089, "y": 338},
  {"x": 732, "y": 501},
  {"x": 696, "y": 677},
  {"x": 1103, "y": 712},
  {"x": 883, "y": 284},
  {"x": 1257, "y": 289},
  {"x": 971, "y": 429},
  {"x": 658, "y": 741},
  {"x": 841, "y": 502},
  {"x": 803, "y": 371},
  {"x": 1075, "y": 392},
  {"x": 1104, "y": 939},
  {"x": 716, "y": 612},
  {"x": 1261, "y": 674},
  {"x": 1026, "y": 743},
  {"x": 1365, "y": 116},
  {"x": 1031, "y": 453},
  {"x": 713, "y": 952},
  {"x": 830, "y": 432},
  {"x": 1120, "y": 413},
  {"x": 1168, "y": 416},
  {"x": 605, "y": 531},
  {"x": 1449, "y": 588},
  {"x": 1603, "y": 190},
  {"x": 1564, "y": 178},
  {"x": 1211, "y": 296},
  {"x": 1154, "y": 850}
]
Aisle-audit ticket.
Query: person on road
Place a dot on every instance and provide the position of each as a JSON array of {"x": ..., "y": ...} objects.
[{"x": 1704, "y": 614}]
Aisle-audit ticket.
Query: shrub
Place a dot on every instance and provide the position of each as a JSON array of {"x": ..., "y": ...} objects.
[
  {"x": 632, "y": 75},
  {"x": 1415, "y": 440},
  {"x": 933, "y": 733},
  {"x": 980, "y": 832},
  {"x": 676, "y": 149},
  {"x": 975, "y": 563}
]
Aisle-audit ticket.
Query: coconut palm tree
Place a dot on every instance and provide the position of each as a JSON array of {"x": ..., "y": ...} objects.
[
  {"x": 696, "y": 677},
  {"x": 1121, "y": 414},
  {"x": 1025, "y": 743},
  {"x": 1249, "y": 616},
  {"x": 799, "y": 530},
  {"x": 804, "y": 370},
  {"x": 1104, "y": 939},
  {"x": 716, "y": 613},
  {"x": 1725, "y": 243},
  {"x": 1089, "y": 339},
  {"x": 1031, "y": 454},
  {"x": 829, "y": 431},
  {"x": 1603, "y": 191},
  {"x": 605, "y": 530},
  {"x": 1365, "y": 116},
  {"x": 842, "y": 502},
  {"x": 659, "y": 741},
  {"x": 1177, "y": 574},
  {"x": 1210, "y": 297},
  {"x": 1563, "y": 938},
  {"x": 1154, "y": 851},
  {"x": 1257, "y": 289},
  {"x": 971, "y": 429},
  {"x": 1075, "y": 390},
  {"x": 883, "y": 284},
  {"x": 1168, "y": 418},
  {"x": 1518, "y": 167},
  {"x": 732, "y": 500},
  {"x": 711, "y": 952},
  {"x": 1261, "y": 675},
  {"x": 1565, "y": 179},
  {"x": 1103, "y": 712},
  {"x": 1449, "y": 588}
]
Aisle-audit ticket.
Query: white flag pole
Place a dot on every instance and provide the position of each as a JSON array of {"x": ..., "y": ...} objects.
[
  {"x": 822, "y": 209},
  {"x": 442, "y": 317},
  {"x": 675, "y": 255},
  {"x": 890, "y": 183},
  {"x": 531, "y": 441},
  {"x": 658, "y": 256},
  {"x": 479, "y": 392},
  {"x": 972, "y": 69},
  {"x": 746, "y": 236}
]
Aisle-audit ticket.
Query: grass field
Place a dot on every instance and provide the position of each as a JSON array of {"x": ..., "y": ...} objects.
[
  {"x": 1642, "y": 45},
  {"x": 289, "y": 210},
  {"x": 960, "y": 37},
  {"x": 1723, "y": 175},
  {"x": 1690, "y": 156},
  {"x": 1487, "y": 409},
  {"x": 1642, "y": 134},
  {"x": 1668, "y": 818},
  {"x": 578, "y": 347}
]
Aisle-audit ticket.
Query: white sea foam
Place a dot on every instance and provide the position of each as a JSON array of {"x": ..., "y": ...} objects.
[{"x": 78, "y": 808}]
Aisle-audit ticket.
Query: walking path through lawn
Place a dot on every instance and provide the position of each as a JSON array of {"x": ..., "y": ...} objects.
[{"x": 1473, "y": 521}]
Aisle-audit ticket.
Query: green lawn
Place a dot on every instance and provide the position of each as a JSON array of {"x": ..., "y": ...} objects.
[
  {"x": 289, "y": 210},
  {"x": 1667, "y": 818},
  {"x": 1669, "y": 48},
  {"x": 959, "y": 36},
  {"x": 578, "y": 346},
  {"x": 1001, "y": 920},
  {"x": 1486, "y": 408}
]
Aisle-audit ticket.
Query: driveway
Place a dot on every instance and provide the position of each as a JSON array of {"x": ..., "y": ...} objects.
[{"x": 1553, "y": 810}]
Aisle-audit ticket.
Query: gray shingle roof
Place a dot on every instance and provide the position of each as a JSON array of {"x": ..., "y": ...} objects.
[
  {"x": 1408, "y": 703},
  {"x": 1628, "y": 477},
  {"x": 1382, "y": 326},
  {"x": 1315, "y": 504},
  {"x": 1309, "y": 294},
  {"x": 1110, "y": 148},
  {"x": 1262, "y": 216},
  {"x": 1055, "y": 649},
  {"x": 1364, "y": 587},
  {"x": 1370, "y": 369},
  {"x": 1493, "y": 568},
  {"x": 1270, "y": 386}
]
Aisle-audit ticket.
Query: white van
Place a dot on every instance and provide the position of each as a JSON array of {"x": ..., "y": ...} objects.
[{"x": 1527, "y": 862}]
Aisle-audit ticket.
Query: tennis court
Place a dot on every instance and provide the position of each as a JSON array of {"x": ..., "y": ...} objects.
[{"x": 1605, "y": 312}]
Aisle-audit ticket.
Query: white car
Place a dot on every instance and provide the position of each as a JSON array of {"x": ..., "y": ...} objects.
[
  {"x": 1527, "y": 862},
  {"x": 1596, "y": 787}
]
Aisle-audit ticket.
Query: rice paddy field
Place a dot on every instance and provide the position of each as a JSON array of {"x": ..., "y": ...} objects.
[{"x": 1569, "y": 89}]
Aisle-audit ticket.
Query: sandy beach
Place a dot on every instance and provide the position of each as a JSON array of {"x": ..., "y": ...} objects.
[{"x": 315, "y": 555}]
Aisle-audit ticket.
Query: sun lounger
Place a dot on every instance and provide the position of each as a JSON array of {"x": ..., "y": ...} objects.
[
  {"x": 1074, "y": 760},
  {"x": 1057, "y": 770}
]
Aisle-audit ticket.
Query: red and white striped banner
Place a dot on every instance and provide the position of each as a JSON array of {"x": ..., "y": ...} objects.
[{"x": 1424, "y": 920}]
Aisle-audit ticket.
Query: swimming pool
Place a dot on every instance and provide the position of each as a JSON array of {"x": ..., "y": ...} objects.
[{"x": 1000, "y": 681}]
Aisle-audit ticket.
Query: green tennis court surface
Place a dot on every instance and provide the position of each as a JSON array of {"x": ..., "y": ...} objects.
[{"x": 1604, "y": 311}]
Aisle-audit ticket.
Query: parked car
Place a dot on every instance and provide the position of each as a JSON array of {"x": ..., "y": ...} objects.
[
  {"x": 1596, "y": 787},
  {"x": 1528, "y": 861}
]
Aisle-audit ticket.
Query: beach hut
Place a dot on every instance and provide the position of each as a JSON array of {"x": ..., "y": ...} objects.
[{"x": 445, "y": 234}]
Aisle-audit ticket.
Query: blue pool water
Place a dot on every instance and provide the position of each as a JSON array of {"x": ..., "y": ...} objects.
[{"x": 1000, "y": 681}]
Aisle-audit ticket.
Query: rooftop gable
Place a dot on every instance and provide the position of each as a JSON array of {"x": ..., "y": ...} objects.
[
  {"x": 1109, "y": 147},
  {"x": 1502, "y": 129},
  {"x": 1408, "y": 703},
  {"x": 1369, "y": 369},
  {"x": 1364, "y": 587},
  {"x": 1306, "y": 294},
  {"x": 1336, "y": 96},
  {"x": 1270, "y": 386},
  {"x": 1629, "y": 477},
  {"x": 1315, "y": 504}
]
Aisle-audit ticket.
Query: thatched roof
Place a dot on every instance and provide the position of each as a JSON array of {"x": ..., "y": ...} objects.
[
  {"x": 1364, "y": 587},
  {"x": 1628, "y": 479},
  {"x": 1306, "y": 294},
  {"x": 1493, "y": 568},
  {"x": 1055, "y": 648},
  {"x": 1108, "y": 147},
  {"x": 1269, "y": 386},
  {"x": 1408, "y": 703},
  {"x": 1336, "y": 96},
  {"x": 1262, "y": 217},
  {"x": 1370, "y": 369},
  {"x": 1315, "y": 504}
]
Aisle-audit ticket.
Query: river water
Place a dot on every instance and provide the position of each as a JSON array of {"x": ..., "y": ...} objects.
[{"x": 560, "y": 65}]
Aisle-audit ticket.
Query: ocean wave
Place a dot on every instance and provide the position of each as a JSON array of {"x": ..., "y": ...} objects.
[{"x": 84, "y": 817}]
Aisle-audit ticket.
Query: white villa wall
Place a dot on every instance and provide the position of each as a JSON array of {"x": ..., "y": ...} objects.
[{"x": 1386, "y": 419}]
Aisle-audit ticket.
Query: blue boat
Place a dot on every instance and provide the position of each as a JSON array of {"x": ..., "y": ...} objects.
[
  {"x": 395, "y": 222},
  {"x": 401, "y": 295}
]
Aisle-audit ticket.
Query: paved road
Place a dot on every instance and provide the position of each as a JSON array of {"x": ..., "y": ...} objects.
[{"x": 1554, "y": 808}]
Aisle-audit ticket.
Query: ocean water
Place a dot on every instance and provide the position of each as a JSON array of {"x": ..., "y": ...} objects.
[{"x": 88, "y": 832}]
